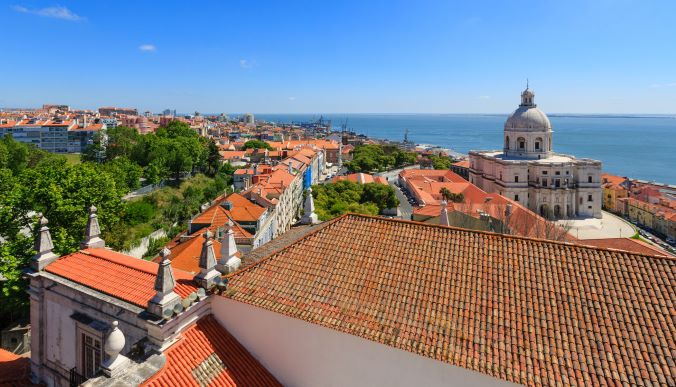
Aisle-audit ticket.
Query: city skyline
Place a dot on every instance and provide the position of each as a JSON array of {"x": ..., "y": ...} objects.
[{"x": 587, "y": 57}]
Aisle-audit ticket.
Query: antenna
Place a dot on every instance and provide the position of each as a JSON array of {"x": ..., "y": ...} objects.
[{"x": 526, "y": 83}]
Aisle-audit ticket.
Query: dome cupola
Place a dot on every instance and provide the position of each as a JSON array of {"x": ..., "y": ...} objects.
[{"x": 528, "y": 132}]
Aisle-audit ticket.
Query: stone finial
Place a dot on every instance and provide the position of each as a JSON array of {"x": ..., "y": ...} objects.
[
  {"x": 115, "y": 363},
  {"x": 165, "y": 297},
  {"x": 92, "y": 237},
  {"x": 43, "y": 247},
  {"x": 443, "y": 217},
  {"x": 309, "y": 216},
  {"x": 229, "y": 261},
  {"x": 207, "y": 263}
]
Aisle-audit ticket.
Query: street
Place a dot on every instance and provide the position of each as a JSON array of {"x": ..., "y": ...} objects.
[{"x": 405, "y": 208}]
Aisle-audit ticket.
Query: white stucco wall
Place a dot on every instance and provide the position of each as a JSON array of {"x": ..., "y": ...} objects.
[{"x": 298, "y": 353}]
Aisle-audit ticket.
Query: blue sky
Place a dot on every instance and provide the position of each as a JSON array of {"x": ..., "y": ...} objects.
[{"x": 340, "y": 56}]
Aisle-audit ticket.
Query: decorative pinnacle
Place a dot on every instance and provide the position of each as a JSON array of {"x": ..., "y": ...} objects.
[
  {"x": 208, "y": 235},
  {"x": 165, "y": 253},
  {"x": 43, "y": 220}
]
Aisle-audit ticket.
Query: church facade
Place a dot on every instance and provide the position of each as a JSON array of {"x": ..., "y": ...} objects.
[{"x": 554, "y": 185}]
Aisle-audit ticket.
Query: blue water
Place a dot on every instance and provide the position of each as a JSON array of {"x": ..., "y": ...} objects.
[{"x": 638, "y": 147}]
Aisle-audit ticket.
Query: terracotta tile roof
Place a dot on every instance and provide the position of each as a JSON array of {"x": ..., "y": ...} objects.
[
  {"x": 15, "y": 370},
  {"x": 525, "y": 310},
  {"x": 462, "y": 164},
  {"x": 626, "y": 244},
  {"x": 612, "y": 180},
  {"x": 243, "y": 210},
  {"x": 185, "y": 255},
  {"x": 121, "y": 276},
  {"x": 207, "y": 354}
]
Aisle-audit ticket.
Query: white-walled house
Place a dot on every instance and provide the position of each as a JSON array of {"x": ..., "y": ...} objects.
[{"x": 359, "y": 301}]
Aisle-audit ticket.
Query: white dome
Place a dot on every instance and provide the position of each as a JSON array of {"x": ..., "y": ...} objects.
[{"x": 528, "y": 118}]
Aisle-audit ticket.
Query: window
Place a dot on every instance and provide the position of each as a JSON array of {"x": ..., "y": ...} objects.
[
  {"x": 522, "y": 145},
  {"x": 589, "y": 179},
  {"x": 557, "y": 183},
  {"x": 90, "y": 352},
  {"x": 516, "y": 197},
  {"x": 544, "y": 172},
  {"x": 537, "y": 145},
  {"x": 589, "y": 198},
  {"x": 544, "y": 182},
  {"x": 557, "y": 173},
  {"x": 516, "y": 178}
]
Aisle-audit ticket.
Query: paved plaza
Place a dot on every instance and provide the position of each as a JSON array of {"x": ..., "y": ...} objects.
[{"x": 609, "y": 226}]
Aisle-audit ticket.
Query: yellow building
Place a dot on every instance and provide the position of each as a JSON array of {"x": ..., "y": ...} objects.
[{"x": 613, "y": 189}]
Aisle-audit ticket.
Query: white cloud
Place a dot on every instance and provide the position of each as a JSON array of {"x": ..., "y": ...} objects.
[
  {"x": 147, "y": 48},
  {"x": 57, "y": 12},
  {"x": 247, "y": 64},
  {"x": 484, "y": 97}
]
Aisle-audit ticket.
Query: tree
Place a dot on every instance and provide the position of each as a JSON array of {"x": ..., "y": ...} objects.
[
  {"x": 450, "y": 196},
  {"x": 15, "y": 256},
  {"x": 257, "y": 144},
  {"x": 440, "y": 162},
  {"x": 121, "y": 141},
  {"x": 176, "y": 129},
  {"x": 335, "y": 199},
  {"x": 126, "y": 173},
  {"x": 373, "y": 157},
  {"x": 382, "y": 195},
  {"x": 16, "y": 154},
  {"x": 95, "y": 152}
]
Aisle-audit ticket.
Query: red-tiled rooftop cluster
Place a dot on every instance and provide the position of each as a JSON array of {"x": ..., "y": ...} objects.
[
  {"x": 121, "y": 276},
  {"x": 208, "y": 355},
  {"x": 525, "y": 310}
]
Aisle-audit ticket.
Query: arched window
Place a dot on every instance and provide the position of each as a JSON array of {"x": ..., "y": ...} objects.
[
  {"x": 507, "y": 142},
  {"x": 538, "y": 144},
  {"x": 521, "y": 143}
]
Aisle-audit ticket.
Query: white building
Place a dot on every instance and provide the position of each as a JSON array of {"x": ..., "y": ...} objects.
[
  {"x": 529, "y": 172},
  {"x": 359, "y": 301}
]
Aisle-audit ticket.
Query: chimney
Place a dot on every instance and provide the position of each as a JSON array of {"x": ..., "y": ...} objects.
[
  {"x": 227, "y": 205},
  {"x": 114, "y": 364},
  {"x": 165, "y": 299},
  {"x": 207, "y": 263},
  {"x": 92, "y": 237},
  {"x": 43, "y": 247},
  {"x": 443, "y": 217},
  {"x": 229, "y": 261}
]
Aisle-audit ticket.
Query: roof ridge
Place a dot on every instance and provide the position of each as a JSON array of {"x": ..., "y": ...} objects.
[{"x": 501, "y": 235}]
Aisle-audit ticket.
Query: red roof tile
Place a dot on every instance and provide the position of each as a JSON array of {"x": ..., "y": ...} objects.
[
  {"x": 218, "y": 357},
  {"x": 625, "y": 244},
  {"x": 121, "y": 276},
  {"x": 185, "y": 255},
  {"x": 525, "y": 310},
  {"x": 14, "y": 370}
]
